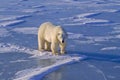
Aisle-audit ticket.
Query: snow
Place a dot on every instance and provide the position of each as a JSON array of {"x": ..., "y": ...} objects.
[
  {"x": 74, "y": 36},
  {"x": 116, "y": 30},
  {"x": 116, "y": 67},
  {"x": 10, "y": 23},
  {"x": 83, "y": 19},
  {"x": 30, "y": 10},
  {"x": 117, "y": 36},
  {"x": 4, "y": 32},
  {"x": 93, "y": 28},
  {"x": 18, "y": 61},
  {"x": 85, "y": 41},
  {"x": 15, "y": 48},
  {"x": 100, "y": 38},
  {"x": 111, "y": 48},
  {"x": 1, "y": 73},
  {"x": 31, "y": 73},
  {"x": 26, "y": 30},
  {"x": 12, "y": 20},
  {"x": 10, "y": 17}
]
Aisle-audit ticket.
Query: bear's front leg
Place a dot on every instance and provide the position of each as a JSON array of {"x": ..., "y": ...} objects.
[
  {"x": 54, "y": 48},
  {"x": 47, "y": 46},
  {"x": 62, "y": 48}
]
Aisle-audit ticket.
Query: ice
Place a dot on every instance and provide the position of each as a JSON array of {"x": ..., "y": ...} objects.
[
  {"x": 116, "y": 28},
  {"x": 39, "y": 6},
  {"x": 15, "y": 48},
  {"x": 1, "y": 73},
  {"x": 31, "y": 73},
  {"x": 99, "y": 38},
  {"x": 30, "y": 10},
  {"x": 86, "y": 15},
  {"x": 74, "y": 36},
  {"x": 108, "y": 10},
  {"x": 111, "y": 48},
  {"x": 4, "y": 32},
  {"x": 26, "y": 30},
  {"x": 10, "y": 20},
  {"x": 115, "y": 32},
  {"x": 115, "y": 67},
  {"x": 83, "y": 19},
  {"x": 93, "y": 28},
  {"x": 11, "y": 17},
  {"x": 111, "y": 77},
  {"x": 10, "y": 23},
  {"x": 17, "y": 61},
  {"x": 85, "y": 41},
  {"x": 39, "y": 73},
  {"x": 98, "y": 70},
  {"x": 117, "y": 36}
]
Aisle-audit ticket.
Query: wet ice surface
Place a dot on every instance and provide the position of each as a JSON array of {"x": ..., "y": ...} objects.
[
  {"x": 87, "y": 70},
  {"x": 93, "y": 28}
]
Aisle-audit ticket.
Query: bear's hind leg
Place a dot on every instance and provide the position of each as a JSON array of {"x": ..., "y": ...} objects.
[{"x": 41, "y": 44}]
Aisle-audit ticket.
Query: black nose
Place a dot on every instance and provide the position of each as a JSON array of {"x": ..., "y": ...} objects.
[{"x": 62, "y": 41}]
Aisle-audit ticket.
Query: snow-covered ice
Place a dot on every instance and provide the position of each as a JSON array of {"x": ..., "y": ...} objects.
[
  {"x": 111, "y": 48},
  {"x": 4, "y": 32},
  {"x": 26, "y": 30},
  {"x": 93, "y": 28},
  {"x": 39, "y": 73},
  {"x": 82, "y": 19}
]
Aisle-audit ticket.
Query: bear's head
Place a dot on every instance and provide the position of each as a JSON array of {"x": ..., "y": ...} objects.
[{"x": 61, "y": 34}]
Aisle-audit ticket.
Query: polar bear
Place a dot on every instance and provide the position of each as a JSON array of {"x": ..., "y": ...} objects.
[{"x": 50, "y": 37}]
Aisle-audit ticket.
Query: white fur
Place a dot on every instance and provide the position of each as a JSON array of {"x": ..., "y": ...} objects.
[{"x": 50, "y": 36}]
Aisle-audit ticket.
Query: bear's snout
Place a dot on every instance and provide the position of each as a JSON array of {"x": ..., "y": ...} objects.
[{"x": 62, "y": 41}]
